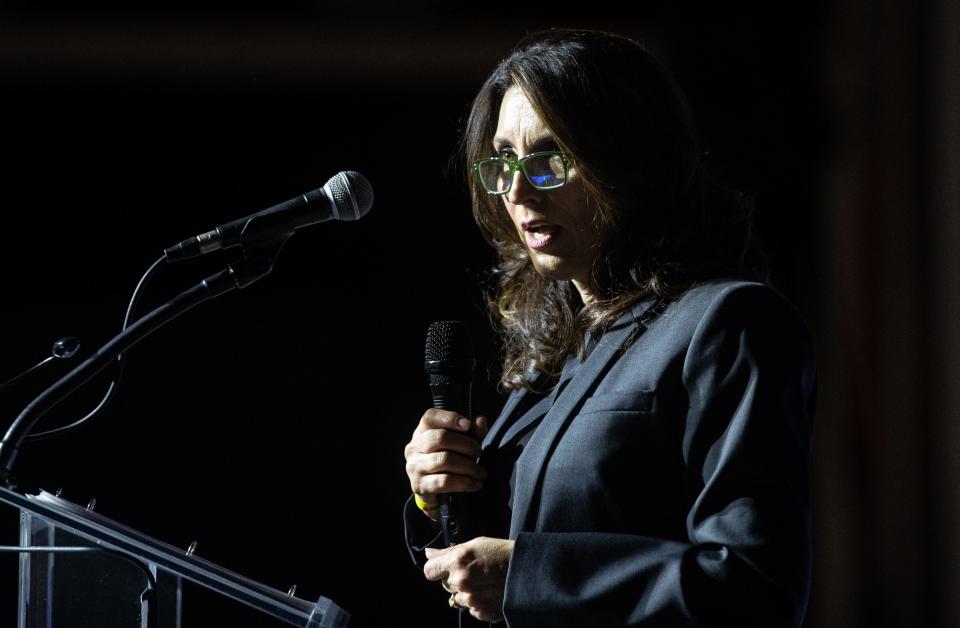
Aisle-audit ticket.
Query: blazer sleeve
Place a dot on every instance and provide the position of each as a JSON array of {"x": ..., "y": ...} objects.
[{"x": 750, "y": 379}]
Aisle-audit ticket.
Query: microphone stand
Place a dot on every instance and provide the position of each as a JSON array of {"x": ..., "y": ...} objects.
[{"x": 256, "y": 263}]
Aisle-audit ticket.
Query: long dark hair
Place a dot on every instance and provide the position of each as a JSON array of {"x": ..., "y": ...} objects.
[{"x": 666, "y": 223}]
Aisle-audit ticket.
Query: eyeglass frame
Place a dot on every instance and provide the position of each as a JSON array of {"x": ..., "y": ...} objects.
[{"x": 517, "y": 164}]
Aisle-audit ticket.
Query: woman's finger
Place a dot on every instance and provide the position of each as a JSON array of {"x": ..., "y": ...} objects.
[
  {"x": 443, "y": 440},
  {"x": 481, "y": 425},
  {"x": 445, "y": 483},
  {"x": 444, "y": 462},
  {"x": 434, "y": 418}
]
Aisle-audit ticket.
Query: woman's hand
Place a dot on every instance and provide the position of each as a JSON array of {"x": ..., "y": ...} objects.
[
  {"x": 474, "y": 573},
  {"x": 442, "y": 455}
]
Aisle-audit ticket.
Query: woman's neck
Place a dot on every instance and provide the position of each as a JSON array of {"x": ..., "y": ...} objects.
[{"x": 586, "y": 292}]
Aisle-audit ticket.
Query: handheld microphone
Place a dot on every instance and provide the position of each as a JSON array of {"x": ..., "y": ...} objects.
[
  {"x": 449, "y": 364},
  {"x": 346, "y": 196}
]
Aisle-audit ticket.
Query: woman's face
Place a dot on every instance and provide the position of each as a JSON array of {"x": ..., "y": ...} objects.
[{"x": 556, "y": 226}]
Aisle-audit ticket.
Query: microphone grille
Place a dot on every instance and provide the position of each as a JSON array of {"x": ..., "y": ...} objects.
[
  {"x": 351, "y": 193},
  {"x": 449, "y": 342}
]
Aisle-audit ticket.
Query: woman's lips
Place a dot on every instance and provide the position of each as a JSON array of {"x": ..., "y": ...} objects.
[{"x": 539, "y": 235}]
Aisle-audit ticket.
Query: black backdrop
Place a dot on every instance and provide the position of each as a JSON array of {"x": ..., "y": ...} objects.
[{"x": 269, "y": 425}]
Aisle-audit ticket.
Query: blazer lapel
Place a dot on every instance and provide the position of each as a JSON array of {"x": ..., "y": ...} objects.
[
  {"x": 541, "y": 444},
  {"x": 538, "y": 410},
  {"x": 508, "y": 409},
  {"x": 511, "y": 405}
]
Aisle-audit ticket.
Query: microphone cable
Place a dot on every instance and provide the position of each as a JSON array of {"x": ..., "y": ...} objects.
[
  {"x": 114, "y": 385},
  {"x": 63, "y": 349}
]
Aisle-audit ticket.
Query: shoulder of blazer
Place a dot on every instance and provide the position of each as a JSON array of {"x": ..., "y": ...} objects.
[
  {"x": 699, "y": 300},
  {"x": 726, "y": 305},
  {"x": 710, "y": 303},
  {"x": 737, "y": 297},
  {"x": 691, "y": 305}
]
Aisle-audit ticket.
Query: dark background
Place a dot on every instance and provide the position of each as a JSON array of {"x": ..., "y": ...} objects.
[{"x": 269, "y": 425}]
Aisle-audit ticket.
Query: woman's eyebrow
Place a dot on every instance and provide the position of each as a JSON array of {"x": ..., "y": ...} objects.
[
  {"x": 546, "y": 140},
  {"x": 540, "y": 142}
]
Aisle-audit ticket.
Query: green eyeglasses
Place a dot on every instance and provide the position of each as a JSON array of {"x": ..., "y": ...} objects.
[{"x": 546, "y": 170}]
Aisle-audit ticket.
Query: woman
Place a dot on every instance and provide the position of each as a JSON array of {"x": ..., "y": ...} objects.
[{"x": 650, "y": 464}]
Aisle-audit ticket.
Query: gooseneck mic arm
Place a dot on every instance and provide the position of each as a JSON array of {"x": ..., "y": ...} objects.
[{"x": 236, "y": 275}]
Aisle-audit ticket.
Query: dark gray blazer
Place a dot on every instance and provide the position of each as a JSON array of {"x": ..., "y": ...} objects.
[{"x": 667, "y": 484}]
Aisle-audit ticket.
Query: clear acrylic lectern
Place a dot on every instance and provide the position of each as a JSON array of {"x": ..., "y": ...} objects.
[{"x": 78, "y": 569}]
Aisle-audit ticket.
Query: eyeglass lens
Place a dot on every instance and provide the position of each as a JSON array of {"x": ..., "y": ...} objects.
[{"x": 543, "y": 172}]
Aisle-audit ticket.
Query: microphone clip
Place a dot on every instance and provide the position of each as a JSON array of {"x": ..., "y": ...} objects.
[{"x": 257, "y": 262}]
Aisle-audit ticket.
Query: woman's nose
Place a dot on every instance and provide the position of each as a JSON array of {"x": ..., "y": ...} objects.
[{"x": 521, "y": 191}]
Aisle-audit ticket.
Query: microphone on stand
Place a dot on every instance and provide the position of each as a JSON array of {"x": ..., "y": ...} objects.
[{"x": 346, "y": 196}]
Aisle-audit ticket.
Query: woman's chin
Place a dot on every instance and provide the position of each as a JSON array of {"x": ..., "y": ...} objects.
[{"x": 552, "y": 267}]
